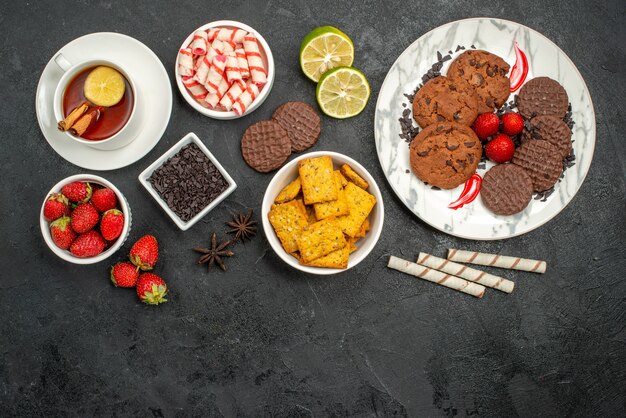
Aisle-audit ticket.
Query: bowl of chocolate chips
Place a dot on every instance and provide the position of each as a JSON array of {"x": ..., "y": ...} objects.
[{"x": 187, "y": 181}]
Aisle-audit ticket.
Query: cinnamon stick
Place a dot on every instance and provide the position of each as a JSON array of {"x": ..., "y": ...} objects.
[
  {"x": 85, "y": 121},
  {"x": 74, "y": 115}
]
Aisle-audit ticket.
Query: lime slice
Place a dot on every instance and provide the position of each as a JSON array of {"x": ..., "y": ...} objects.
[
  {"x": 104, "y": 86},
  {"x": 323, "y": 49},
  {"x": 343, "y": 92}
]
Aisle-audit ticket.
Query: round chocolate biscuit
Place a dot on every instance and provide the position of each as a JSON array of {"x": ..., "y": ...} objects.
[
  {"x": 551, "y": 129},
  {"x": 445, "y": 154},
  {"x": 542, "y": 161},
  {"x": 302, "y": 123},
  {"x": 506, "y": 189},
  {"x": 265, "y": 146},
  {"x": 444, "y": 99},
  {"x": 487, "y": 73},
  {"x": 542, "y": 96}
]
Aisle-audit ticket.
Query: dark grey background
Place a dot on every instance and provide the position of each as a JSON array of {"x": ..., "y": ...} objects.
[{"x": 263, "y": 339}]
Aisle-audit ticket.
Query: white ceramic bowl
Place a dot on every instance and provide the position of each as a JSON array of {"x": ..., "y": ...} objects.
[
  {"x": 145, "y": 175},
  {"x": 266, "y": 55},
  {"x": 124, "y": 207},
  {"x": 287, "y": 174}
]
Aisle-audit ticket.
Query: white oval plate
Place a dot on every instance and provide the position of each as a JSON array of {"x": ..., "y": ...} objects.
[
  {"x": 474, "y": 221},
  {"x": 152, "y": 83}
]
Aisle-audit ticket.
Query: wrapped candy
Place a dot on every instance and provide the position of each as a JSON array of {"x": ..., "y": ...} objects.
[
  {"x": 258, "y": 72},
  {"x": 185, "y": 62}
]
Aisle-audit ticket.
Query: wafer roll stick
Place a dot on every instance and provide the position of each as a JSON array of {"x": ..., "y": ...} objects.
[
  {"x": 199, "y": 43},
  {"x": 228, "y": 47},
  {"x": 202, "y": 72},
  {"x": 495, "y": 260},
  {"x": 258, "y": 72},
  {"x": 232, "y": 68},
  {"x": 245, "y": 99},
  {"x": 243, "y": 63},
  {"x": 468, "y": 273},
  {"x": 196, "y": 89},
  {"x": 216, "y": 74},
  {"x": 225, "y": 34},
  {"x": 435, "y": 276},
  {"x": 218, "y": 46},
  {"x": 213, "y": 99},
  {"x": 232, "y": 94},
  {"x": 185, "y": 62}
]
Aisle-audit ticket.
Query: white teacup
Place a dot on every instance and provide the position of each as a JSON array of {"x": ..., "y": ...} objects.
[{"x": 128, "y": 132}]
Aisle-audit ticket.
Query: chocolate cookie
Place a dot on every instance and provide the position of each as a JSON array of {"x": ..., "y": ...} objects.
[
  {"x": 542, "y": 96},
  {"x": 301, "y": 122},
  {"x": 445, "y": 154},
  {"x": 542, "y": 161},
  {"x": 506, "y": 189},
  {"x": 551, "y": 129},
  {"x": 444, "y": 99},
  {"x": 487, "y": 73},
  {"x": 265, "y": 146}
]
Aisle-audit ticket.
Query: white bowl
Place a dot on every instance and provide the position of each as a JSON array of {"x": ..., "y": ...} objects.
[
  {"x": 123, "y": 204},
  {"x": 145, "y": 175},
  {"x": 266, "y": 55},
  {"x": 286, "y": 175}
]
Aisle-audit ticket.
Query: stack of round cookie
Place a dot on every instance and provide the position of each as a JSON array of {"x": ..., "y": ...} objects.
[{"x": 538, "y": 163}]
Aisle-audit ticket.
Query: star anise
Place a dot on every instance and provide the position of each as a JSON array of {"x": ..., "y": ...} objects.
[
  {"x": 242, "y": 226},
  {"x": 214, "y": 254}
]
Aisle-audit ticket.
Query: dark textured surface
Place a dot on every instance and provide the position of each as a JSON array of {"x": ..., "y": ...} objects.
[{"x": 263, "y": 340}]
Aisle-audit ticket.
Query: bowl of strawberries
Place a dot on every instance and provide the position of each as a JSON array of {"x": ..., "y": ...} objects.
[{"x": 84, "y": 219}]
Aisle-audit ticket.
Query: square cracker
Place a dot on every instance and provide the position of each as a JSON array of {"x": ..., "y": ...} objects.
[
  {"x": 318, "y": 181},
  {"x": 289, "y": 192},
  {"x": 364, "y": 228},
  {"x": 338, "y": 259},
  {"x": 352, "y": 176},
  {"x": 334, "y": 207},
  {"x": 361, "y": 204},
  {"x": 288, "y": 220},
  {"x": 310, "y": 214},
  {"x": 344, "y": 181},
  {"x": 319, "y": 239}
]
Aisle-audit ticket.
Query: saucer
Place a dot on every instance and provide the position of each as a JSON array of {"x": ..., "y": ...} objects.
[{"x": 152, "y": 84}]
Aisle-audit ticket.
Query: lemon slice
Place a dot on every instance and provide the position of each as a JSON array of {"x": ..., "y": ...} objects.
[
  {"x": 323, "y": 49},
  {"x": 343, "y": 92},
  {"x": 104, "y": 86}
]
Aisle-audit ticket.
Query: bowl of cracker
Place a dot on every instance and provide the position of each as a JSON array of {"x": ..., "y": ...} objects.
[{"x": 322, "y": 213}]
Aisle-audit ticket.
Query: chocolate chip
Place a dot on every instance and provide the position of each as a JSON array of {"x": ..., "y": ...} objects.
[
  {"x": 490, "y": 72},
  {"x": 440, "y": 119},
  {"x": 427, "y": 100},
  {"x": 472, "y": 62},
  {"x": 451, "y": 147},
  {"x": 456, "y": 116},
  {"x": 469, "y": 144},
  {"x": 470, "y": 158},
  {"x": 423, "y": 153},
  {"x": 477, "y": 79},
  {"x": 449, "y": 163},
  {"x": 188, "y": 182},
  {"x": 452, "y": 87}
]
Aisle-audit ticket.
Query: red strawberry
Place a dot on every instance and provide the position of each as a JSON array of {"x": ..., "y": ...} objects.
[
  {"x": 77, "y": 192},
  {"x": 88, "y": 244},
  {"x": 486, "y": 125},
  {"x": 145, "y": 253},
  {"x": 56, "y": 206},
  {"x": 512, "y": 123},
  {"x": 104, "y": 199},
  {"x": 500, "y": 149},
  {"x": 84, "y": 217},
  {"x": 111, "y": 224},
  {"x": 124, "y": 274},
  {"x": 151, "y": 289},
  {"x": 61, "y": 232}
]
